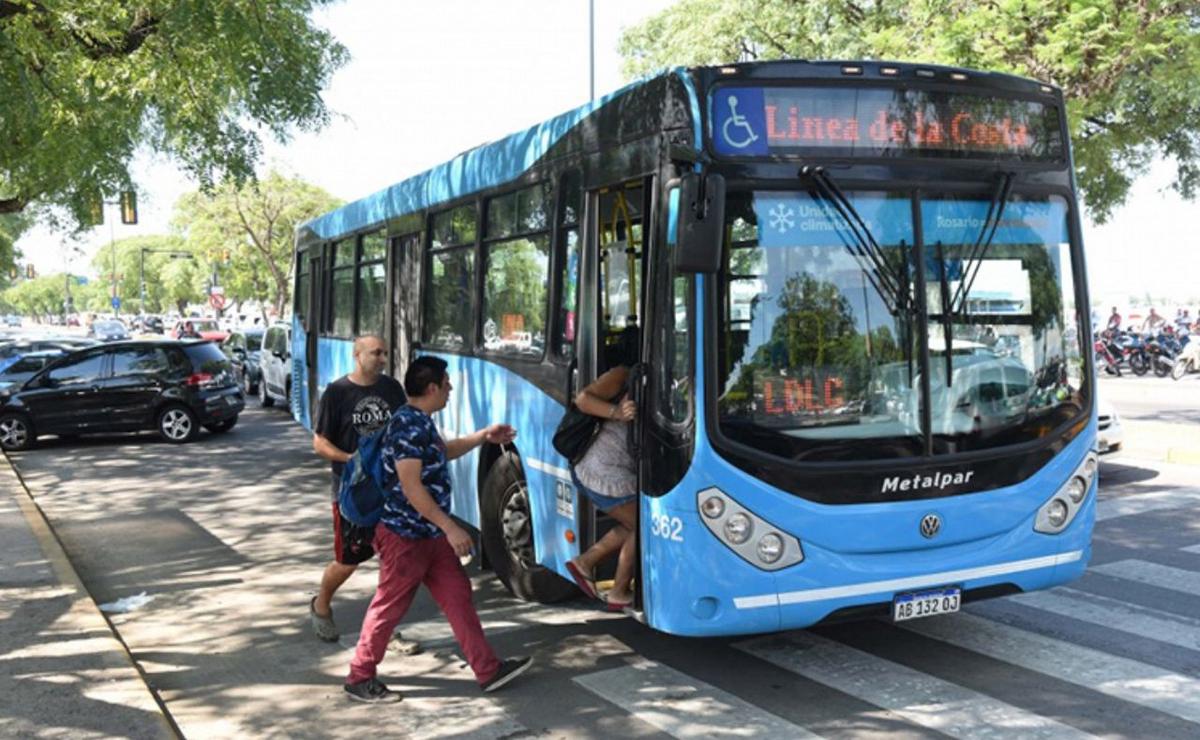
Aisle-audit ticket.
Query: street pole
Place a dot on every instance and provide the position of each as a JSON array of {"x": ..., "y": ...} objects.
[
  {"x": 142, "y": 280},
  {"x": 591, "y": 50},
  {"x": 112, "y": 243}
]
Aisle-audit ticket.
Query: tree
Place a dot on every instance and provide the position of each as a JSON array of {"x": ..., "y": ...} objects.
[
  {"x": 1130, "y": 72},
  {"x": 12, "y": 225},
  {"x": 254, "y": 223},
  {"x": 86, "y": 82}
]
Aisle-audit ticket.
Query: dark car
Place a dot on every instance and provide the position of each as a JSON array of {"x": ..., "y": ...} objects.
[
  {"x": 173, "y": 388},
  {"x": 11, "y": 352},
  {"x": 243, "y": 349},
  {"x": 109, "y": 331}
]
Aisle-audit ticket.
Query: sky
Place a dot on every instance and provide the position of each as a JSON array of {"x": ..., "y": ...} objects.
[{"x": 429, "y": 80}]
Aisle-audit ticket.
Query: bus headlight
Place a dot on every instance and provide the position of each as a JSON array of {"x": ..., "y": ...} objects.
[
  {"x": 770, "y": 548},
  {"x": 713, "y": 507},
  {"x": 1060, "y": 509},
  {"x": 735, "y": 526},
  {"x": 1076, "y": 490},
  {"x": 738, "y": 528}
]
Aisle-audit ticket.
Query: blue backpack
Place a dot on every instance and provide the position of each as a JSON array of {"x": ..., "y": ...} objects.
[{"x": 363, "y": 490}]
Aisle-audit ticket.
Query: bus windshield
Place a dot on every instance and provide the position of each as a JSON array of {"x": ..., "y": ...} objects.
[{"x": 821, "y": 350}]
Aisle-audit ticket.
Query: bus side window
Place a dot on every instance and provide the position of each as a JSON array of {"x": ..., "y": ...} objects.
[
  {"x": 621, "y": 248},
  {"x": 570, "y": 211}
]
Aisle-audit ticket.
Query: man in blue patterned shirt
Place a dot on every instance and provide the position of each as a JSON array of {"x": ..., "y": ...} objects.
[{"x": 418, "y": 542}]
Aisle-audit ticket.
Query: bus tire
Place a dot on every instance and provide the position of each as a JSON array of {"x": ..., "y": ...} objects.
[{"x": 507, "y": 536}]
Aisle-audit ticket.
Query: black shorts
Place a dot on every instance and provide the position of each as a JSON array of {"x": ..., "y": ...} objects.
[{"x": 351, "y": 544}]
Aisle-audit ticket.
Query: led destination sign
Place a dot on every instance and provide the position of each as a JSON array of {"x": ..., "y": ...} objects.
[{"x": 873, "y": 122}]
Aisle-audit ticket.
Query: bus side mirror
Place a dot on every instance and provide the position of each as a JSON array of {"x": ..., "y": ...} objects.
[{"x": 701, "y": 223}]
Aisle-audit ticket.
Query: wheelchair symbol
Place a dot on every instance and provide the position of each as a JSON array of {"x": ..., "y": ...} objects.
[{"x": 737, "y": 121}]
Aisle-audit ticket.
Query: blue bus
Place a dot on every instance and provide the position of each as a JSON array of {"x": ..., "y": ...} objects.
[{"x": 863, "y": 385}]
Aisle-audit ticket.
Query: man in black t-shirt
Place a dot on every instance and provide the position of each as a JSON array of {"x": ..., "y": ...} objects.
[{"x": 351, "y": 407}]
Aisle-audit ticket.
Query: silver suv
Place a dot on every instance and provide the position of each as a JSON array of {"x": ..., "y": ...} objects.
[{"x": 275, "y": 364}]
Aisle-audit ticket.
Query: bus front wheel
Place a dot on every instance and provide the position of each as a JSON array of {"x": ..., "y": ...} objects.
[{"x": 508, "y": 537}]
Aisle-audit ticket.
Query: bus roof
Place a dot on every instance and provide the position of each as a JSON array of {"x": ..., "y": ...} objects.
[{"x": 482, "y": 167}]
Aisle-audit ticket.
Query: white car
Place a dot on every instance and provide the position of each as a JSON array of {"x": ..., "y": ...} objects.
[{"x": 1110, "y": 437}]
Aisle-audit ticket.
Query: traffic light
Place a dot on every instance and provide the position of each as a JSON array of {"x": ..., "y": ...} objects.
[
  {"x": 95, "y": 206},
  {"x": 128, "y": 207},
  {"x": 30, "y": 271},
  {"x": 225, "y": 256}
]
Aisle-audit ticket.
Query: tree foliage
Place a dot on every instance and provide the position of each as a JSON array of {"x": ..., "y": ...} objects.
[
  {"x": 86, "y": 82},
  {"x": 1130, "y": 71},
  {"x": 171, "y": 281},
  {"x": 255, "y": 225}
]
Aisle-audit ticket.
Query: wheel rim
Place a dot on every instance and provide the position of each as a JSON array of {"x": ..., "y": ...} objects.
[
  {"x": 516, "y": 524},
  {"x": 13, "y": 432},
  {"x": 176, "y": 424}
]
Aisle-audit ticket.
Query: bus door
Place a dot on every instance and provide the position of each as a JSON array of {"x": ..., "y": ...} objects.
[
  {"x": 611, "y": 301},
  {"x": 316, "y": 322},
  {"x": 405, "y": 307}
]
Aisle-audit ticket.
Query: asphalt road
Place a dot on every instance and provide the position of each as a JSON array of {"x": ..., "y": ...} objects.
[
  {"x": 226, "y": 538},
  {"x": 1150, "y": 398}
]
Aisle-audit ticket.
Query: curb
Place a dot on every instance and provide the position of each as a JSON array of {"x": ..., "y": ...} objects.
[{"x": 56, "y": 556}]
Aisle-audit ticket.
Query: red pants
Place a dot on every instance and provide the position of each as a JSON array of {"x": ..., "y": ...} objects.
[{"x": 404, "y": 564}]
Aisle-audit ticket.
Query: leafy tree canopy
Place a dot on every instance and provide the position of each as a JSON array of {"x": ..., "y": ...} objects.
[
  {"x": 1130, "y": 71},
  {"x": 249, "y": 230},
  {"x": 86, "y": 82}
]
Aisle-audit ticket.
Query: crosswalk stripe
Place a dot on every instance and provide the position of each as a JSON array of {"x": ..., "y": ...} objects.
[
  {"x": 1121, "y": 678},
  {"x": 683, "y": 706},
  {"x": 917, "y": 697},
  {"x": 1153, "y": 574},
  {"x": 1178, "y": 498},
  {"x": 1118, "y": 615},
  {"x": 1193, "y": 548}
]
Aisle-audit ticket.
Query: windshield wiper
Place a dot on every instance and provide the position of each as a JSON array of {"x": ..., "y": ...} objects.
[
  {"x": 952, "y": 307},
  {"x": 982, "y": 243},
  {"x": 864, "y": 246}
]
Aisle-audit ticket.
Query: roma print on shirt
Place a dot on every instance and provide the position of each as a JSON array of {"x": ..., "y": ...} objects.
[{"x": 370, "y": 415}]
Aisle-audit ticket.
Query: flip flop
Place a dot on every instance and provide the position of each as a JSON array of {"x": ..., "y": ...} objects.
[
  {"x": 617, "y": 606},
  {"x": 585, "y": 584}
]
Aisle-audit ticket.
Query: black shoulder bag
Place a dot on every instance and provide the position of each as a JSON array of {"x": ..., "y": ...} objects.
[{"x": 577, "y": 431}]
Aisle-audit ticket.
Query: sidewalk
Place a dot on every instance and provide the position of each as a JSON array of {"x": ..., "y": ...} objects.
[{"x": 63, "y": 672}]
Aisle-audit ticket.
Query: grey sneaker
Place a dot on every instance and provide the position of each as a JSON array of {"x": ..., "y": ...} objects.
[
  {"x": 510, "y": 668},
  {"x": 372, "y": 691},
  {"x": 402, "y": 646},
  {"x": 322, "y": 626}
]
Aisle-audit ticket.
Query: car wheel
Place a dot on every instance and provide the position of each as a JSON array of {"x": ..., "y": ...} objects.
[
  {"x": 264, "y": 396},
  {"x": 222, "y": 426},
  {"x": 16, "y": 432},
  {"x": 248, "y": 387},
  {"x": 508, "y": 538},
  {"x": 177, "y": 424}
]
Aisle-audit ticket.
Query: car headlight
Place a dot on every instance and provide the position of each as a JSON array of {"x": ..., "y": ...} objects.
[
  {"x": 751, "y": 537},
  {"x": 1061, "y": 508}
]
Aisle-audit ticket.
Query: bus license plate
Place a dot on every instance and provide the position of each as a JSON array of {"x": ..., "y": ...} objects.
[{"x": 926, "y": 603}]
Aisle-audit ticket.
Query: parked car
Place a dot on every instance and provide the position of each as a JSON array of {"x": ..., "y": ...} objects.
[
  {"x": 108, "y": 330},
  {"x": 11, "y": 352},
  {"x": 173, "y": 388},
  {"x": 275, "y": 365},
  {"x": 12, "y": 320},
  {"x": 243, "y": 349},
  {"x": 28, "y": 365},
  {"x": 206, "y": 328},
  {"x": 148, "y": 324},
  {"x": 1110, "y": 437}
]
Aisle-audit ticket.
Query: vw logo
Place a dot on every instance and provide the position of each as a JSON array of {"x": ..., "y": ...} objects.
[{"x": 931, "y": 524}]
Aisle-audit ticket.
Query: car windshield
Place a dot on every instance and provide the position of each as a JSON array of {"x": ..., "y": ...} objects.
[
  {"x": 109, "y": 326},
  {"x": 205, "y": 325},
  {"x": 820, "y": 350},
  {"x": 253, "y": 342}
]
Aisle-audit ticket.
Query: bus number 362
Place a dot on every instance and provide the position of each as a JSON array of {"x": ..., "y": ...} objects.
[{"x": 667, "y": 527}]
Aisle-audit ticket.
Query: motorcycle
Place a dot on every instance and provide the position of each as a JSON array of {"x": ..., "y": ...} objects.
[
  {"x": 1108, "y": 354},
  {"x": 1163, "y": 349},
  {"x": 1134, "y": 348},
  {"x": 1188, "y": 360}
]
